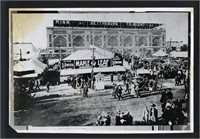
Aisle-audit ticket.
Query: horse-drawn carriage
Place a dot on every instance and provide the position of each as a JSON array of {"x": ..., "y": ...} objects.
[{"x": 147, "y": 82}]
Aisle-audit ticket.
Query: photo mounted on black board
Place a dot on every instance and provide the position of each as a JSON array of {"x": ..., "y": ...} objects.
[{"x": 114, "y": 71}]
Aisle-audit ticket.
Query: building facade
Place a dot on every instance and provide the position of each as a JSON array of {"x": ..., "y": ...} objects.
[
  {"x": 24, "y": 50},
  {"x": 176, "y": 45},
  {"x": 135, "y": 38}
]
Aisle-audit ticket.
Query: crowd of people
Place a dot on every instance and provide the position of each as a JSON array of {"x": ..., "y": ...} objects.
[
  {"x": 121, "y": 118},
  {"x": 172, "y": 113}
]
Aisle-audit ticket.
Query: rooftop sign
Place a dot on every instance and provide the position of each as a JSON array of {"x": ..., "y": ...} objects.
[{"x": 99, "y": 24}]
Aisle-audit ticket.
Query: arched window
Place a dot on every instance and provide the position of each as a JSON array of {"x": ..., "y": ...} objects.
[
  {"x": 127, "y": 41},
  {"x": 142, "y": 41},
  {"x": 156, "y": 41},
  {"x": 78, "y": 41},
  {"x": 112, "y": 41},
  {"x": 97, "y": 41},
  {"x": 60, "y": 41}
]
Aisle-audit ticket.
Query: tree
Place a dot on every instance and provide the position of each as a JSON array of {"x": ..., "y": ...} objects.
[
  {"x": 184, "y": 47},
  {"x": 173, "y": 48}
]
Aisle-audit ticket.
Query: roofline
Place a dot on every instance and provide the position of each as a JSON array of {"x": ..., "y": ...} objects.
[{"x": 26, "y": 43}]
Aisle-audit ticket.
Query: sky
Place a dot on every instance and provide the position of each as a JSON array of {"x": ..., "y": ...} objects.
[{"x": 32, "y": 27}]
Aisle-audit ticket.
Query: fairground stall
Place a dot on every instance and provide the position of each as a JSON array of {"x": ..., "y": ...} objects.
[
  {"x": 87, "y": 63},
  {"x": 26, "y": 73}
]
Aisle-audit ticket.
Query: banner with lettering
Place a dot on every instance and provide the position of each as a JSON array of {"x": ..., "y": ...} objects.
[
  {"x": 67, "y": 64},
  {"x": 117, "y": 61}
]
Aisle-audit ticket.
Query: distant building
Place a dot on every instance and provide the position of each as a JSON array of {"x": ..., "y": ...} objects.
[
  {"x": 176, "y": 44},
  {"x": 27, "y": 51},
  {"x": 69, "y": 36}
]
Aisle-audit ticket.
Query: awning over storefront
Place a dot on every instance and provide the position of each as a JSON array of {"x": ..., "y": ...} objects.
[{"x": 67, "y": 72}]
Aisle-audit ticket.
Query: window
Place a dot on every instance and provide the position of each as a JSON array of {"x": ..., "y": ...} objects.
[
  {"x": 70, "y": 52},
  {"x": 69, "y": 38},
  {"x": 28, "y": 52},
  {"x": 88, "y": 38},
  {"x": 50, "y": 38},
  {"x": 50, "y": 45}
]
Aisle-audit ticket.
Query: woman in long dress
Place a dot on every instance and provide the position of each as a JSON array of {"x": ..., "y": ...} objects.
[{"x": 133, "y": 89}]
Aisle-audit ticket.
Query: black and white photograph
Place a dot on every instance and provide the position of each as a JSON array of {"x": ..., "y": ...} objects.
[{"x": 101, "y": 70}]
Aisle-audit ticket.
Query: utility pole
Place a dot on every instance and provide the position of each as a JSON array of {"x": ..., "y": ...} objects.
[
  {"x": 92, "y": 73},
  {"x": 169, "y": 48},
  {"x": 20, "y": 55},
  {"x": 60, "y": 56}
]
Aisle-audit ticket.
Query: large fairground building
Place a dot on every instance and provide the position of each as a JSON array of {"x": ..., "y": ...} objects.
[{"x": 69, "y": 36}]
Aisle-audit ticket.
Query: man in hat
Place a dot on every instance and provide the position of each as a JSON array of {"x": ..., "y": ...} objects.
[
  {"x": 169, "y": 95},
  {"x": 114, "y": 93},
  {"x": 153, "y": 113},
  {"x": 128, "y": 119},
  {"x": 99, "y": 121},
  {"x": 107, "y": 120},
  {"x": 117, "y": 118},
  {"x": 168, "y": 115},
  {"x": 127, "y": 87},
  {"x": 37, "y": 85},
  {"x": 163, "y": 100},
  {"x": 85, "y": 91}
]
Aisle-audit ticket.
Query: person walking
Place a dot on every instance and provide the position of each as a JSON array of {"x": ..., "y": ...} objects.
[
  {"x": 115, "y": 89},
  {"x": 137, "y": 90},
  {"x": 119, "y": 92},
  {"x": 111, "y": 77},
  {"x": 48, "y": 86},
  {"x": 37, "y": 84},
  {"x": 85, "y": 91},
  {"x": 127, "y": 87}
]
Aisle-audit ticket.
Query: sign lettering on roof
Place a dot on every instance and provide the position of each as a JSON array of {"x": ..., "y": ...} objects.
[
  {"x": 88, "y": 63},
  {"x": 100, "y": 63},
  {"x": 103, "y": 24}
]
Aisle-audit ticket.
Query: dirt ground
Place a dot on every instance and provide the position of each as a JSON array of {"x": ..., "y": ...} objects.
[{"x": 72, "y": 110}]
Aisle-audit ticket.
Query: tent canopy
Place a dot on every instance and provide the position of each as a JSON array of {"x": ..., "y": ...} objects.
[
  {"x": 99, "y": 75},
  {"x": 143, "y": 71},
  {"x": 159, "y": 53},
  {"x": 30, "y": 65},
  {"x": 23, "y": 66},
  {"x": 87, "y": 54},
  {"x": 179, "y": 54},
  {"x": 103, "y": 51},
  {"x": 67, "y": 72}
]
